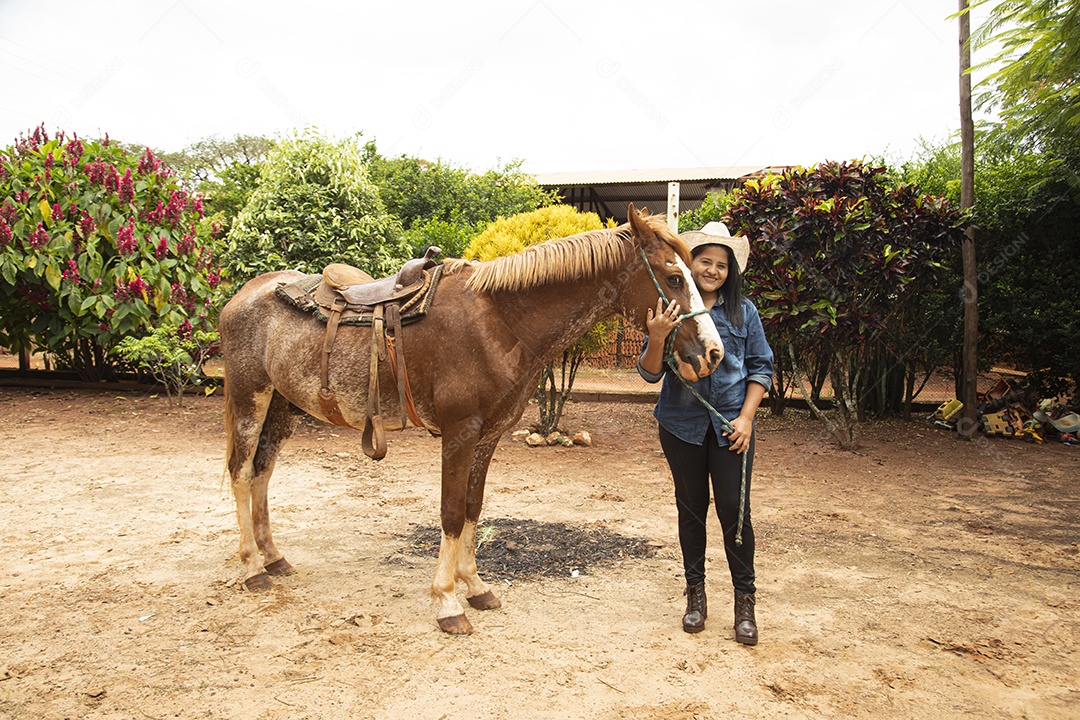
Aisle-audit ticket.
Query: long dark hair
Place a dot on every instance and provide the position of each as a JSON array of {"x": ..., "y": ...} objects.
[{"x": 731, "y": 290}]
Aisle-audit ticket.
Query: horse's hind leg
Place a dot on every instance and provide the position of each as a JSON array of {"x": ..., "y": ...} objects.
[
  {"x": 280, "y": 422},
  {"x": 244, "y": 416}
]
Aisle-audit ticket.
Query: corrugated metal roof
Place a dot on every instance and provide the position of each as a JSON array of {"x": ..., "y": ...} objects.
[
  {"x": 609, "y": 192},
  {"x": 655, "y": 175}
]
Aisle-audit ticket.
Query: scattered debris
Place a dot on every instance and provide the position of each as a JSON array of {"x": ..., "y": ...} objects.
[
  {"x": 1010, "y": 412},
  {"x": 948, "y": 411}
]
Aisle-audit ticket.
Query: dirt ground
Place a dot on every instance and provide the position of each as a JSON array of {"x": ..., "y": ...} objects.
[{"x": 920, "y": 577}]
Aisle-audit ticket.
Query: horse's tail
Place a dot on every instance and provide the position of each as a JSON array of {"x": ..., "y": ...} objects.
[{"x": 230, "y": 429}]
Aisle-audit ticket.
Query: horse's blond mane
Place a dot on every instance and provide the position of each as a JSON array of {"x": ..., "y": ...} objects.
[{"x": 581, "y": 256}]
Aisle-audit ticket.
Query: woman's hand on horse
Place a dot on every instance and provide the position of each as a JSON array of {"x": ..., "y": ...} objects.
[{"x": 661, "y": 322}]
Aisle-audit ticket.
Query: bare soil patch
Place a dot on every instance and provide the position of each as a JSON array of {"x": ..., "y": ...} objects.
[{"x": 920, "y": 577}]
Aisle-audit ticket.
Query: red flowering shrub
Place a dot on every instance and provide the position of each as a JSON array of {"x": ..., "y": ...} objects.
[{"x": 97, "y": 244}]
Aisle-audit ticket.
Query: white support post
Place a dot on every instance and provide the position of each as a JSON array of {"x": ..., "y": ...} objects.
[{"x": 673, "y": 206}]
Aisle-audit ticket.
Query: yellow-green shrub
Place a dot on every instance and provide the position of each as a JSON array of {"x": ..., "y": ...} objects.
[{"x": 507, "y": 236}]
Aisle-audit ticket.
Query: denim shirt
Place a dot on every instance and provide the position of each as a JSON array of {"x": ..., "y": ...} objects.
[{"x": 747, "y": 358}]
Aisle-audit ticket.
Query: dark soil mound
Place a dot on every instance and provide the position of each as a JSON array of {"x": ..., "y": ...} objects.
[{"x": 517, "y": 549}]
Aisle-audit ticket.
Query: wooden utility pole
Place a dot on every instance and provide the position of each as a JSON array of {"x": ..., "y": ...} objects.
[{"x": 970, "y": 372}]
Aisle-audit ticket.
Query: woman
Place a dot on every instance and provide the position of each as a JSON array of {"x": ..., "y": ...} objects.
[{"x": 695, "y": 442}]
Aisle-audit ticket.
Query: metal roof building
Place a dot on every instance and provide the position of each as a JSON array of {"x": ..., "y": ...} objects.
[{"x": 667, "y": 190}]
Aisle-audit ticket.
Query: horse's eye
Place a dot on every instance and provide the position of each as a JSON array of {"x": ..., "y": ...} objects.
[{"x": 675, "y": 281}]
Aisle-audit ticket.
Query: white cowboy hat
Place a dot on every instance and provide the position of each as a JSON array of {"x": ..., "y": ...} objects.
[{"x": 716, "y": 233}]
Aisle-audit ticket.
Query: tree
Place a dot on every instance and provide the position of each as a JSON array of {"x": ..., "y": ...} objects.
[
  {"x": 1035, "y": 87},
  {"x": 314, "y": 205},
  {"x": 97, "y": 244},
  {"x": 1027, "y": 210},
  {"x": 440, "y": 204},
  {"x": 841, "y": 250},
  {"x": 511, "y": 235},
  {"x": 969, "y": 378},
  {"x": 226, "y": 172},
  {"x": 713, "y": 208},
  {"x": 205, "y": 160}
]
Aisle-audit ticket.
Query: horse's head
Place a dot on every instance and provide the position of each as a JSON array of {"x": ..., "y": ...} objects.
[{"x": 697, "y": 347}]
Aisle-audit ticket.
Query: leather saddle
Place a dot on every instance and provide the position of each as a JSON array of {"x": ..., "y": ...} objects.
[
  {"x": 361, "y": 292},
  {"x": 345, "y": 295}
]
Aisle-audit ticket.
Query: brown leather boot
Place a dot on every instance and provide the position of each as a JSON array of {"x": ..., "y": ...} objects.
[
  {"x": 697, "y": 608},
  {"x": 745, "y": 624}
]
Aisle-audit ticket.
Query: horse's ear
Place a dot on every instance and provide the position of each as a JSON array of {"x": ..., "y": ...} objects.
[{"x": 637, "y": 222}]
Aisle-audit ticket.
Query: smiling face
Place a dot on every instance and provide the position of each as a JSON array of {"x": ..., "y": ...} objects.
[{"x": 710, "y": 269}]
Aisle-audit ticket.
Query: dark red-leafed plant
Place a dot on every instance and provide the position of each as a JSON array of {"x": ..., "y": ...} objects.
[{"x": 842, "y": 252}]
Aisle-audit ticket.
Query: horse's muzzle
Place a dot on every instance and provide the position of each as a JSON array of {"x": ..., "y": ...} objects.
[
  {"x": 713, "y": 358},
  {"x": 695, "y": 367}
]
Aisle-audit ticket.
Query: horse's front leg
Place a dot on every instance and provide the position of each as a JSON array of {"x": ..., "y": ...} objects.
[
  {"x": 459, "y": 442},
  {"x": 478, "y": 593}
]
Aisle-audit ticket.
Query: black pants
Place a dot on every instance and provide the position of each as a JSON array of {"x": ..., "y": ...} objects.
[{"x": 691, "y": 467}]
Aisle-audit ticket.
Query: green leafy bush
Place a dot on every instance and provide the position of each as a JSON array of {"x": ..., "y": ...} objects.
[
  {"x": 1027, "y": 207},
  {"x": 713, "y": 208},
  {"x": 314, "y": 205},
  {"x": 97, "y": 244},
  {"x": 173, "y": 356},
  {"x": 452, "y": 238},
  {"x": 440, "y": 204}
]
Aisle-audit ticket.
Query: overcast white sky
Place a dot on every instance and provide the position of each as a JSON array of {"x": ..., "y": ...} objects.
[{"x": 563, "y": 85}]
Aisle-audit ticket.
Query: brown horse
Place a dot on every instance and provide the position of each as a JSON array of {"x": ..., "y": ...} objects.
[{"x": 473, "y": 362}]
